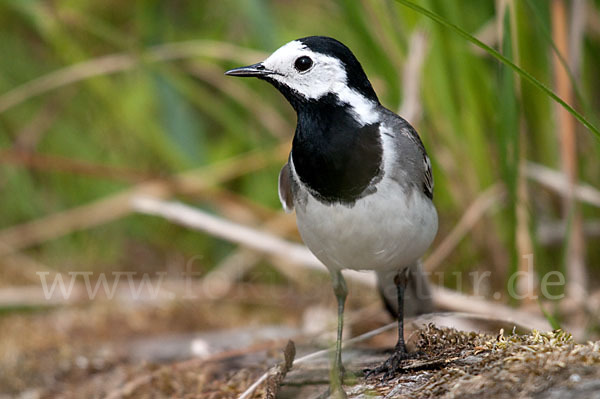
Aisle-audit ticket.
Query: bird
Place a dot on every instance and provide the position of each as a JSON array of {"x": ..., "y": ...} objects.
[{"x": 358, "y": 178}]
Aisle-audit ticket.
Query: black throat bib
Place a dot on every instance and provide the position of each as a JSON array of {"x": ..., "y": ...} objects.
[{"x": 333, "y": 154}]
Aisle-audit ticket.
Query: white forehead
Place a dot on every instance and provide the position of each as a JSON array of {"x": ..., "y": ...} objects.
[
  {"x": 287, "y": 52},
  {"x": 326, "y": 74}
]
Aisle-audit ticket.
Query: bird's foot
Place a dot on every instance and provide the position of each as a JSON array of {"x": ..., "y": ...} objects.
[
  {"x": 391, "y": 366},
  {"x": 337, "y": 393},
  {"x": 336, "y": 378}
]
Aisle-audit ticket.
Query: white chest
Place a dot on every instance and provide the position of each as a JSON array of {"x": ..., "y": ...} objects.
[{"x": 386, "y": 230}]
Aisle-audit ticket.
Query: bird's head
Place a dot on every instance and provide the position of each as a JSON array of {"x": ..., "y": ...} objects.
[{"x": 310, "y": 68}]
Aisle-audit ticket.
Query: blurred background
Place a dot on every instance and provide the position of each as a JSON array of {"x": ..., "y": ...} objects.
[{"x": 104, "y": 101}]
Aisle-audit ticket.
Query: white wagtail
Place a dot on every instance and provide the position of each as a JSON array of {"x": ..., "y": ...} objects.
[{"x": 358, "y": 175}]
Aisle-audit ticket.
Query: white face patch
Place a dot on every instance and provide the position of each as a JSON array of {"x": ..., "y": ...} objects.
[{"x": 326, "y": 75}]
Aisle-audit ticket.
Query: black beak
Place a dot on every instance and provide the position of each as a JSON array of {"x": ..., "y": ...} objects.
[{"x": 250, "y": 70}]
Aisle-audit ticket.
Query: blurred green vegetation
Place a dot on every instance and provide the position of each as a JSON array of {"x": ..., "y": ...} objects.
[{"x": 160, "y": 118}]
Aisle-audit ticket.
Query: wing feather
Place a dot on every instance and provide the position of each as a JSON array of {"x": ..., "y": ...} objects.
[
  {"x": 414, "y": 165},
  {"x": 285, "y": 189}
]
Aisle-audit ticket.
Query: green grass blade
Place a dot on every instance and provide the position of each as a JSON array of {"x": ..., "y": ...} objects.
[
  {"x": 524, "y": 74},
  {"x": 508, "y": 135},
  {"x": 537, "y": 12},
  {"x": 553, "y": 321}
]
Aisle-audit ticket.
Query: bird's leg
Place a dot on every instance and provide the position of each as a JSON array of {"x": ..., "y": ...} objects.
[
  {"x": 391, "y": 365},
  {"x": 337, "y": 371},
  {"x": 401, "y": 280}
]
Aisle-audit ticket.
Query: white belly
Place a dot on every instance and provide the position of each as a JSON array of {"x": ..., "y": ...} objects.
[{"x": 385, "y": 230}]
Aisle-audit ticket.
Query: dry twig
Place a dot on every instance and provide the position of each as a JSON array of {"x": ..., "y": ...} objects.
[
  {"x": 482, "y": 204},
  {"x": 116, "y": 206},
  {"x": 281, "y": 370},
  {"x": 299, "y": 256},
  {"x": 577, "y": 275},
  {"x": 558, "y": 182},
  {"x": 411, "y": 78},
  {"x": 363, "y": 337},
  {"x": 113, "y": 63}
]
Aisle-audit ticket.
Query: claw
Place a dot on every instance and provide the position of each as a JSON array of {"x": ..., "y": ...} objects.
[{"x": 390, "y": 367}]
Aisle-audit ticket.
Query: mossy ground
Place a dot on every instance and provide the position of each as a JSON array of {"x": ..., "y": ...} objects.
[
  {"x": 86, "y": 352},
  {"x": 505, "y": 366}
]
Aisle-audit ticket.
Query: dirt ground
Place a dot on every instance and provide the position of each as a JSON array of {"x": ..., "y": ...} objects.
[{"x": 213, "y": 350}]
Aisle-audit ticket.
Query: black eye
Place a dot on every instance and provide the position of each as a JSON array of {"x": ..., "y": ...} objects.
[{"x": 303, "y": 63}]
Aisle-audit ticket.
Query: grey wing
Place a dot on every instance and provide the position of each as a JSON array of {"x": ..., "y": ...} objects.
[
  {"x": 413, "y": 162},
  {"x": 285, "y": 189},
  {"x": 428, "y": 175}
]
